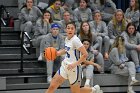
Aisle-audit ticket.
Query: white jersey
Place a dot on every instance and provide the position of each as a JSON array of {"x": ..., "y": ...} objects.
[
  {"x": 71, "y": 46},
  {"x": 74, "y": 75}
]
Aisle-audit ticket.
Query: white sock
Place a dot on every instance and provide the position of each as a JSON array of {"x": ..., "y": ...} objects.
[
  {"x": 133, "y": 78},
  {"x": 87, "y": 82}
]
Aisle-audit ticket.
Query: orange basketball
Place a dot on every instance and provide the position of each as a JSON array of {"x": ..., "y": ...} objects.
[{"x": 50, "y": 53}]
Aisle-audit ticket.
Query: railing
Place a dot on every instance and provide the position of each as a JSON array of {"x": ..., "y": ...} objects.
[
  {"x": 24, "y": 48},
  {"x": 2, "y": 12}
]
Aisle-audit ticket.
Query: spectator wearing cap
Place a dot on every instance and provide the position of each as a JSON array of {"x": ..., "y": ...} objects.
[{"x": 56, "y": 40}]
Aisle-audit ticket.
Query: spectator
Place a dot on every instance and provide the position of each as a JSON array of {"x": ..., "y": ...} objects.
[
  {"x": 132, "y": 43},
  {"x": 100, "y": 29},
  {"x": 85, "y": 32},
  {"x": 66, "y": 19},
  {"x": 28, "y": 17},
  {"x": 82, "y": 13},
  {"x": 132, "y": 13},
  {"x": 42, "y": 28},
  {"x": 56, "y": 40},
  {"x": 21, "y": 3},
  {"x": 117, "y": 25},
  {"x": 68, "y": 6},
  {"x": 107, "y": 8},
  {"x": 89, "y": 64},
  {"x": 56, "y": 10},
  {"x": 121, "y": 64}
]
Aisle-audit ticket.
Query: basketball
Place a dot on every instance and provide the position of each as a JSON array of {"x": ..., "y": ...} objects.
[{"x": 50, "y": 53}]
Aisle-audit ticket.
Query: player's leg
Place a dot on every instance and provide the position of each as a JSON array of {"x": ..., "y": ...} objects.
[
  {"x": 74, "y": 77},
  {"x": 75, "y": 88},
  {"x": 57, "y": 80}
]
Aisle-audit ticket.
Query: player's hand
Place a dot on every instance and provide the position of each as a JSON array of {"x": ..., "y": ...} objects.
[
  {"x": 72, "y": 66},
  {"x": 49, "y": 60}
]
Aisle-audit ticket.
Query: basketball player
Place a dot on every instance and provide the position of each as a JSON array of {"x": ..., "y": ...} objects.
[{"x": 70, "y": 68}]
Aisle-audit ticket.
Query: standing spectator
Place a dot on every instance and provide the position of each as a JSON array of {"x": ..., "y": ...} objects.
[
  {"x": 28, "y": 17},
  {"x": 132, "y": 13},
  {"x": 100, "y": 29},
  {"x": 121, "y": 64},
  {"x": 42, "y": 28},
  {"x": 56, "y": 40},
  {"x": 132, "y": 43},
  {"x": 89, "y": 64},
  {"x": 117, "y": 25},
  {"x": 56, "y": 10}
]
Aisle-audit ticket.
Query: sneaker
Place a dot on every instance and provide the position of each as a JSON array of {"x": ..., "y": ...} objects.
[
  {"x": 97, "y": 87},
  {"x": 138, "y": 69},
  {"x": 134, "y": 82},
  {"x": 101, "y": 91},
  {"x": 49, "y": 78},
  {"x": 40, "y": 58},
  {"x": 130, "y": 90}
]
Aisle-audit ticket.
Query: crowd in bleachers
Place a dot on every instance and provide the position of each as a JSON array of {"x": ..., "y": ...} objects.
[{"x": 106, "y": 32}]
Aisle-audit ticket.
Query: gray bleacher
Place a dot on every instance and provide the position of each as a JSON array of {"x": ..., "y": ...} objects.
[{"x": 33, "y": 80}]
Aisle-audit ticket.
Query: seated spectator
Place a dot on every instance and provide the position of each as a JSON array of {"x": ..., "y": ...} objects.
[
  {"x": 121, "y": 64},
  {"x": 66, "y": 19},
  {"x": 132, "y": 13},
  {"x": 56, "y": 40},
  {"x": 117, "y": 25},
  {"x": 68, "y": 6},
  {"x": 107, "y": 8},
  {"x": 56, "y": 10},
  {"x": 28, "y": 17},
  {"x": 89, "y": 64},
  {"x": 100, "y": 29},
  {"x": 82, "y": 13},
  {"x": 21, "y": 3},
  {"x": 42, "y": 28},
  {"x": 132, "y": 43},
  {"x": 85, "y": 32}
]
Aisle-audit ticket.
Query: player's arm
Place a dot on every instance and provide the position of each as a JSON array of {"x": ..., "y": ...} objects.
[
  {"x": 83, "y": 56},
  {"x": 61, "y": 52},
  {"x": 81, "y": 59},
  {"x": 91, "y": 62}
]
